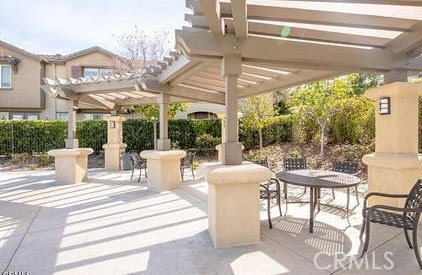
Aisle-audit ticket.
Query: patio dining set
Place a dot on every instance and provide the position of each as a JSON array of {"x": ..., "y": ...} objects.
[{"x": 343, "y": 175}]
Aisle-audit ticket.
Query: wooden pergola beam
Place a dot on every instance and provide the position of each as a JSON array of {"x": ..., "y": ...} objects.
[
  {"x": 199, "y": 94},
  {"x": 318, "y": 17},
  {"x": 375, "y": 2},
  {"x": 408, "y": 42},
  {"x": 308, "y": 34},
  {"x": 211, "y": 10},
  {"x": 240, "y": 20},
  {"x": 296, "y": 54},
  {"x": 303, "y": 77}
]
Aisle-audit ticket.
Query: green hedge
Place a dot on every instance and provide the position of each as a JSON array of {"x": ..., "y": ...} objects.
[
  {"x": 280, "y": 130},
  {"x": 28, "y": 136}
]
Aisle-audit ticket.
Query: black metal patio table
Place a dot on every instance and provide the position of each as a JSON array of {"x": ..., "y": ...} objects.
[{"x": 315, "y": 180}]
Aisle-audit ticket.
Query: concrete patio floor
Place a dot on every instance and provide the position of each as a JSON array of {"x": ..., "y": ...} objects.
[{"x": 112, "y": 225}]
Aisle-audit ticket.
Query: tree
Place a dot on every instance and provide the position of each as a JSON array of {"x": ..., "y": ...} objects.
[
  {"x": 361, "y": 82},
  {"x": 317, "y": 101},
  {"x": 152, "y": 111},
  {"x": 258, "y": 113},
  {"x": 140, "y": 49},
  {"x": 336, "y": 102}
]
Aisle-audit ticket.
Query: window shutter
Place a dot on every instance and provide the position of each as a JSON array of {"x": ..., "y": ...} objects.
[{"x": 76, "y": 71}]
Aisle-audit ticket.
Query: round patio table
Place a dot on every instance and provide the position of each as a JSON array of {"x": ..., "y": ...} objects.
[{"x": 315, "y": 180}]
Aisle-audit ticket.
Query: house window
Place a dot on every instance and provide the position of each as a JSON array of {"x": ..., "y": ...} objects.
[
  {"x": 18, "y": 116},
  {"x": 62, "y": 116},
  {"x": 97, "y": 72},
  {"x": 30, "y": 116},
  {"x": 202, "y": 115},
  {"x": 92, "y": 117},
  {"x": 4, "y": 116},
  {"x": 5, "y": 76}
]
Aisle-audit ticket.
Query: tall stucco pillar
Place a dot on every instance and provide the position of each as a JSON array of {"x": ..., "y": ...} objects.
[
  {"x": 231, "y": 147},
  {"x": 396, "y": 165},
  {"x": 163, "y": 143},
  {"x": 114, "y": 147},
  {"x": 71, "y": 141},
  {"x": 163, "y": 165},
  {"x": 71, "y": 163},
  {"x": 233, "y": 202}
]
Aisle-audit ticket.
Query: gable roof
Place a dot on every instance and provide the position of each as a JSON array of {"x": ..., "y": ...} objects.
[
  {"x": 20, "y": 51},
  {"x": 88, "y": 51}
]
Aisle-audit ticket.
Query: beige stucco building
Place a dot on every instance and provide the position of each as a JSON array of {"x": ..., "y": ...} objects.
[{"x": 21, "y": 74}]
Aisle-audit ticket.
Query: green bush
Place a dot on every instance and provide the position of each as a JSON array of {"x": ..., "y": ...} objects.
[
  {"x": 279, "y": 130},
  {"x": 92, "y": 134},
  {"x": 206, "y": 143},
  {"x": 28, "y": 136}
]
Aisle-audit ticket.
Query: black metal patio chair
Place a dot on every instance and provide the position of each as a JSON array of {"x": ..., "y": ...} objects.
[
  {"x": 348, "y": 167},
  {"x": 187, "y": 162},
  {"x": 406, "y": 218},
  {"x": 138, "y": 163},
  {"x": 290, "y": 164},
  {"x": 269, "y": 190}
]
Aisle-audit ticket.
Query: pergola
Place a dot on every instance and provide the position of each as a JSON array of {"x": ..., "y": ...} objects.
[{"x": 238, "y": 48}]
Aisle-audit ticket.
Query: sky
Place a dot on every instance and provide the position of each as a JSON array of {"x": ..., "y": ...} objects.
[{"x": 66, "y": 26}]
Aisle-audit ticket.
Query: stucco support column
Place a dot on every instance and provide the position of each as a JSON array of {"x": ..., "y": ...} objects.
[
  {"x": 114, "y": 147},
  {"x": 71, "y": 141},
  {"x": 163, "y": 165},
  {"x": 396, "y": 165},
  {"x": 71, "y": 164},
  {"x": 231, "y": 147},
  {"x": 163, "y": 143},
  {"x": 233, "y": 202},
  {"x": 233, "y": 186}
]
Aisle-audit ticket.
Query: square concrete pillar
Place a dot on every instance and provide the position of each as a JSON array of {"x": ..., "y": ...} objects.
[
  {"x": 114, "y": 147},
  {"x": 71, "y": 165},
  {"x": 396, "y": 165},
  {"x": 233, "y": 202},
  {"x": 163, "y": 169}
]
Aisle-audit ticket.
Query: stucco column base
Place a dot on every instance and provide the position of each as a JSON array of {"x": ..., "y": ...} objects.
[
  {"x": 392, "y": 173},
  {"x": 163, "y": 169},
  {"x": 233, "y": 202},
  {"x": 163, "y": 144},
  {"x": 231, "y": 153},
  {"x": 71, "y": 165},
  {"x": 112, "y": 156}
]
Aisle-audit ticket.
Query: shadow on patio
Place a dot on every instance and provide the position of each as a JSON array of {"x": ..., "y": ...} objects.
[{"x": 115, "y": 226}]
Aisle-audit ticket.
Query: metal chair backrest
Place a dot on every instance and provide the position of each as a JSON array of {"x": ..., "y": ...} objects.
[
  {"x": 142, "y": 162},
  {"x": 294, "y": 164},
  {"x": 348, "y": 167},
  {"x": 134, "y": 159},
  {"x": 187, "y": 161},
  {"x": 414, "y": 200}
]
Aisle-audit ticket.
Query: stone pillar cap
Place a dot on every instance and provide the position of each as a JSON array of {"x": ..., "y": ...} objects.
[
  {"x": 114, "y": 145},
  {"x": 395, "y": 89},
  {"x": 172, "y": 154},
  {"x": 114, "y": 118},
  {"x": 246, "y": 173},
  {"x": 70, "y": 152}
]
